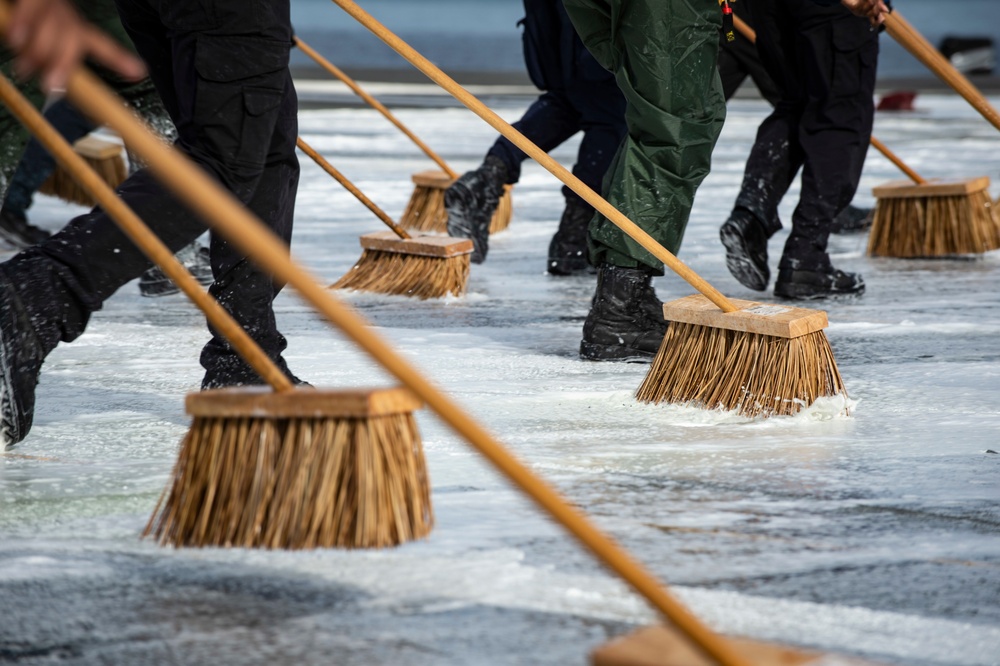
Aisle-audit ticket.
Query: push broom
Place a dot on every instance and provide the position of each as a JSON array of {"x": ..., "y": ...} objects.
[
  {"x": 393, "y": 262},
  {"x": 425, "y": 211},
  {"x": 282, "y": 468},
  {"x": 104, "y": 157},
  {"x": 759, "y": 359},
  {"x": 921, "y": 218},
  {"x": 932, "y": 218},
  {"x": 225, "y": 214}
]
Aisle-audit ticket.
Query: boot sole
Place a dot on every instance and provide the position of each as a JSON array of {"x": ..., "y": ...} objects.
[
  {"x": 807, "y": 293},
  {"x": 590, "y": 351},
  {"x": 738, "y": 261}
]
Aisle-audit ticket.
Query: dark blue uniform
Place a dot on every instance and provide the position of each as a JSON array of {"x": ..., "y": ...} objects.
[{"x": 580, "y": 96}]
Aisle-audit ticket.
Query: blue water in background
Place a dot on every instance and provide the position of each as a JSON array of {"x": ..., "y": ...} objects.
[{"x": 482, "y": 35}]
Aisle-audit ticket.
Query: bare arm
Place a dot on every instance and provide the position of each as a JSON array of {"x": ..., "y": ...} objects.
[{"x": 51, "y": 39}]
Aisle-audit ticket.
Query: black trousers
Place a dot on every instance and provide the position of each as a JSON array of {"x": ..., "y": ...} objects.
[
  {"x": 823, "y": 60},
  {"x": 580, "y": 96},
  {"x": 221, "y": 68},
  {"x": 739, "y": 59}
]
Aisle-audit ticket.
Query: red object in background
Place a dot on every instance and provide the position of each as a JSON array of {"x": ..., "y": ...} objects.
[{"x": 897, "y": 101}]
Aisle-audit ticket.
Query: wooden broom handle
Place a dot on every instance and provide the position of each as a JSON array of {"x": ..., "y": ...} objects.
[
  {"x": 539, "y": 155},
  {"x": 350, "y": 187},
  {"x": 744, "y": 29},
  {"x": 223, "y": 212},
  {"x": 140, "y": 234},
  {"x": 375, "y": 104},
  {"x": 924, "y": 51},
  {"x": 892, "y": 157}
]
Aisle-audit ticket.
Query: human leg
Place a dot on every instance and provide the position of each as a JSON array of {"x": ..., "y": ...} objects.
[
  {"x": 472, "y": 200},
  {"x": 601, "y": 107},
  {"x": 237, "y": 109},
  {"x": 663, "y": 158},
  {"x": 226, "y": 94},
  {"x": 834, "y": 132},
  {"x": 775, "y": 157}
]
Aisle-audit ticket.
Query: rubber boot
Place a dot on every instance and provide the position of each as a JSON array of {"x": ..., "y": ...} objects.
[
  {"x": 620, "y": 325},
  {"x": 568, "y": 248},
  {"x": 471, "y": 202}
]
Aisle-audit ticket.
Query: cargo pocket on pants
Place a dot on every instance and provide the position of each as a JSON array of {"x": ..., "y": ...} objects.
[
  {"x": 240, "y": 88},
  {"x": 852, "y": 54}
]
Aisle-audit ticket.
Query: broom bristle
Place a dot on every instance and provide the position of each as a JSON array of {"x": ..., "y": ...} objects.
[
  {"x": 407, "y": 275},
  {"x": 103, "y": 157},
  {"x": 934, "y": 226},
  {"x": 425, "y": 210},
  {"x": 505, "y": 211},
  {"x": 752, "y": 373},
  {"x": 293, "y": 483}
]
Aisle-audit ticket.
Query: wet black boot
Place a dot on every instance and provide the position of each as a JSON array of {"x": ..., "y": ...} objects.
[
  {"x": 816, "y": 284},
  {"x": 568, "y": 248},
  {"x": 745, "y": 240},
  {"x": 620, "y": 325},
  {"x": 852, "y": 220},
  {"x": 805, "y": 271},
  {"x": 16, "y": 230},
  {"x": 471, "y": 202}
]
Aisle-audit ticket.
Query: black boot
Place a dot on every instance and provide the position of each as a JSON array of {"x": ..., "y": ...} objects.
[
  {"x": 810, "y": 285},
  {"x": 16, "y": 230},
  {"x": 471, "y": 202},
  {"x": 620, "y": 326},
  {"x": 745, "y": 240},
  {"x": 568, "y": 248},
  {"x": 195, "y": 258},
  {"x": 852, "y": 219},
  {"x": 21, "y": 357}
]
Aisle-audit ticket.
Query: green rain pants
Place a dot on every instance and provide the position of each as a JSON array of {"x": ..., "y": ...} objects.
[{"x": 663, "y": 54}]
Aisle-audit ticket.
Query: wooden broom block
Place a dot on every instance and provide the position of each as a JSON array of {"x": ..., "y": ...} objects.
[
  {"x": 304, "y": 402},
  {"x": 665, "y": 646},
  {"x": 94, "y": 148},
  {"x": 424, "y": 245},
  {"x": 782, "y": 321},
  {"x": 905, "y": 189},
  {"x": 436, "y": 179}
]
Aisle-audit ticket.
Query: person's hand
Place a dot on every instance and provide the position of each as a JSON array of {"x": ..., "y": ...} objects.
[
  {"x": 874, "y": 10},
  {"x": 50, "y": 39}
]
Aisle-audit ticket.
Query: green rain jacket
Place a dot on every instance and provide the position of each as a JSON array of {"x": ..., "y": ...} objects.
[{"x": 663, "y": 54}]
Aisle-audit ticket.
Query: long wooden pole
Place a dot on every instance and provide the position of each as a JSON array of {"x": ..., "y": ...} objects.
[
  {"x": 904, "y": 33},
  {"x": 350, "y": 187},
  {"x": 140, "y": 234},
  {"x": 902, "y": 166},
  {"x": 222, "y": 211},
  {"x": 744, "y": 29},
  {"x": 586, "y": 193},
  {"x": 375, "y": 104}
]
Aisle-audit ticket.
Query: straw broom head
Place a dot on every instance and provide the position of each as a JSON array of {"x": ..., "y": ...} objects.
[
  {"x": 424, "y": 267},
  {"x": 937, "y": 219},
  {"x": 104, "y": 157},
  {"x": 762, "y": 360},
  {"x": 308, "y": 468},
  {"x": 425, "y": 210}
]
